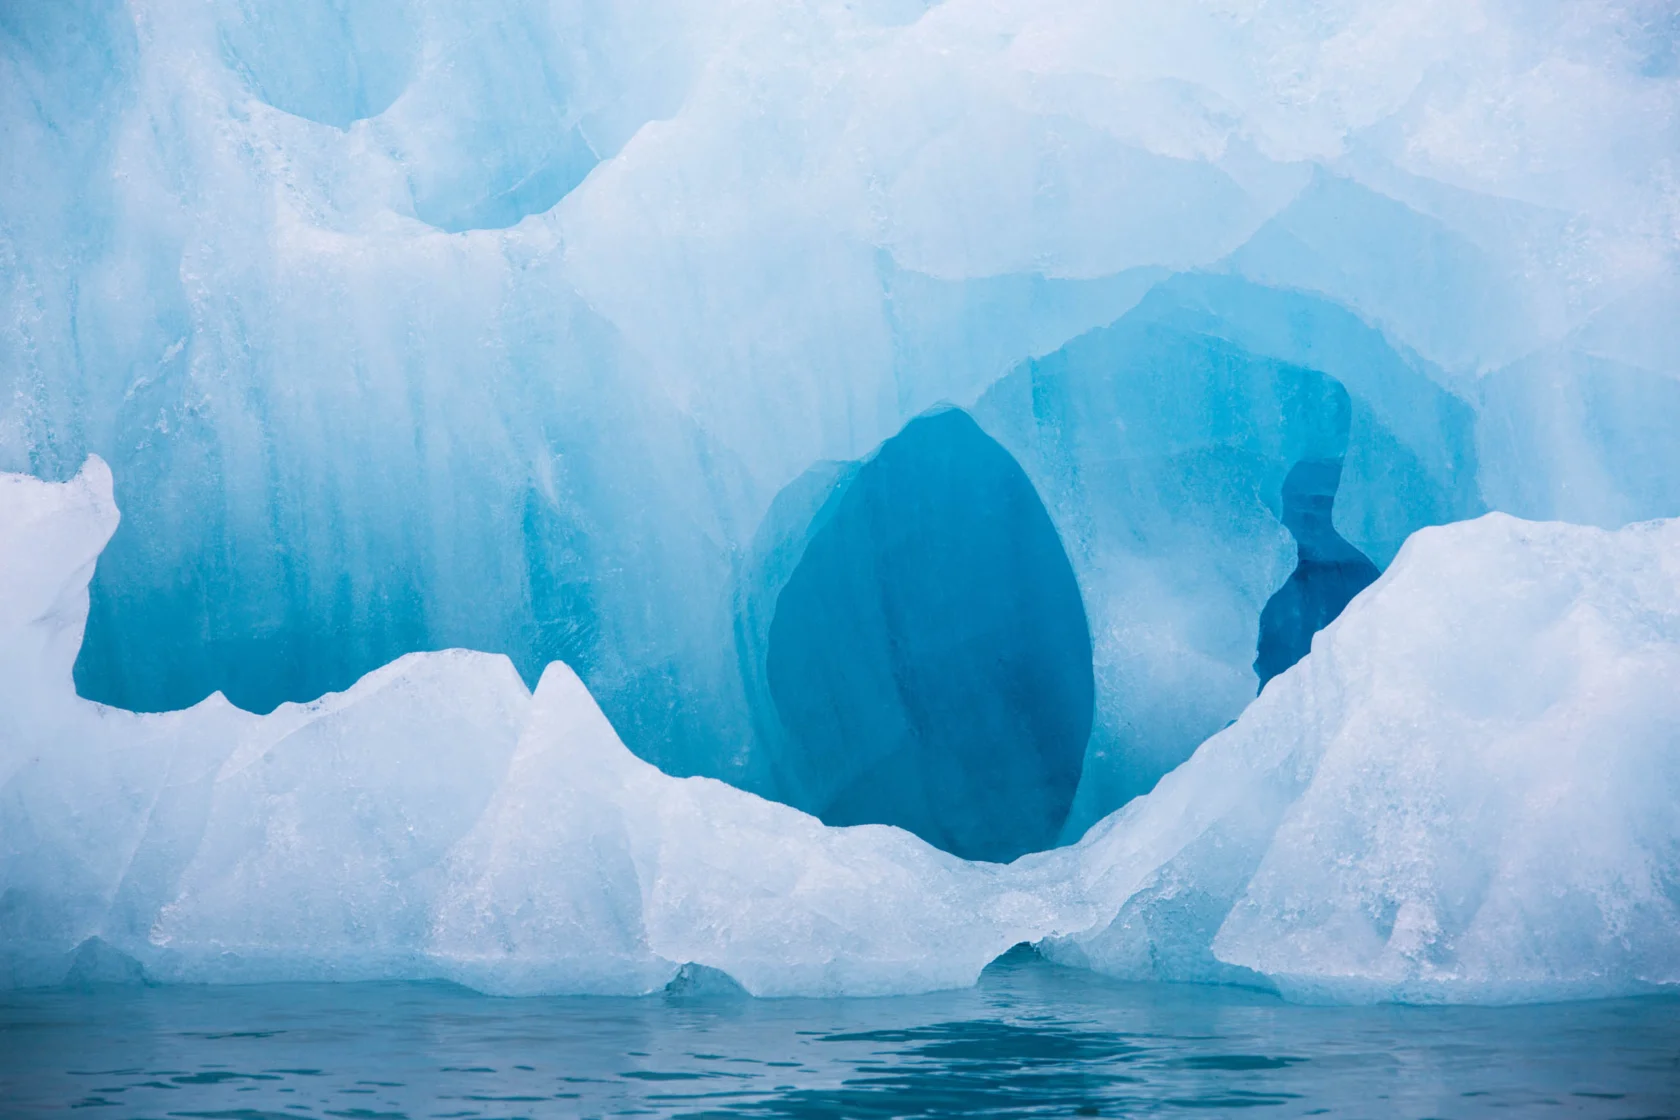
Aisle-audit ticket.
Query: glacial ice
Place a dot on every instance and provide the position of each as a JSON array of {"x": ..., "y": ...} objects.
[
  {"x": 407, "y": 327},
  {"x": 591, "y": 334},
  {"x": 1464, "y": 792}
]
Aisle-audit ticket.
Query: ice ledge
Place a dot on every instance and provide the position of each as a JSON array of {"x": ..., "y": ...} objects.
[{"x": 1465, "y": 793}]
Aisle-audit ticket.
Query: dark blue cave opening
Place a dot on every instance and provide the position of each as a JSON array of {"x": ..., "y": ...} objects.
[
  {"x": 1329, "y": 571},
  {"x": 929, "y": 657}
]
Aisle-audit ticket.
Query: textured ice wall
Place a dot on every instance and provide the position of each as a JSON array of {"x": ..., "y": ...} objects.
[
  {"x": 413, "y": 325},
  {"x": 1464, "y": 792}
]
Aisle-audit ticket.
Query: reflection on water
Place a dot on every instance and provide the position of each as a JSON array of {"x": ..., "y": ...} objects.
[{"x": 1030, "y": 1040}]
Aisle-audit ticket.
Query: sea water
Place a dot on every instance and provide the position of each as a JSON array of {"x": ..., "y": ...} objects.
[{"x": 1030, "y": 1039}]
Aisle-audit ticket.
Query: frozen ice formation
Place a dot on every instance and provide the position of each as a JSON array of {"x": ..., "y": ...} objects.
[
  {"x": 435, "y": 819},
  {"x": 550, "y": 329},
  {"x": 1464, "y": 792}
]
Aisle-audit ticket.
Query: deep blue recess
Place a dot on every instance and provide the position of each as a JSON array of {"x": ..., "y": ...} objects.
[
  {"x": 1329, "y": 571},
  {"x": 929, "y": 656}
]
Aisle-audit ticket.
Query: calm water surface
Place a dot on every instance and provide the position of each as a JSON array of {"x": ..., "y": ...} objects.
[{"x": 1030, "y": 1040}]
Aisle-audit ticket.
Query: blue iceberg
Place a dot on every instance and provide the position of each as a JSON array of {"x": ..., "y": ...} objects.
[
  {"x": 1462, "y": 793},
  {"x": 932, "y": 434}
]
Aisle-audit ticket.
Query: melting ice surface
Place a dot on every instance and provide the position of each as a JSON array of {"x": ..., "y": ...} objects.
[{"x": 934, "y": 418}]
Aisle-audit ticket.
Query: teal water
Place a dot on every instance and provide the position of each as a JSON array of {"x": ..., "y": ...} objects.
[{"x": 1030, "y": 1040}]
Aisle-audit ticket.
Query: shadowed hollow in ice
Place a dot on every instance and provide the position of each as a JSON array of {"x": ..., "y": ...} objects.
[{"x": 1463, "y": 793}]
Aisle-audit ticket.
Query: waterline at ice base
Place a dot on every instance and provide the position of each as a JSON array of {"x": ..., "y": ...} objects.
[{"x": 803, "y": 499}]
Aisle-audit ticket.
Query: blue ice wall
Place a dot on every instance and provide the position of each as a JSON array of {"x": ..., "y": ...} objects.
[
  {"x": 1407, "y": 271},
  {"x": 1159, "y": 451},
  {"x": 929, "y": 657}
]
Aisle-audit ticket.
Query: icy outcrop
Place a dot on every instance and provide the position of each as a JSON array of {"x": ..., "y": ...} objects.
[{"x": 1464, "y": 792}]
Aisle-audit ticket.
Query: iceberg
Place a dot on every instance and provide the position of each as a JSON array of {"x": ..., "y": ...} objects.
[
  {"x": 1462, "y": 793},
  {"x": 825, "y": 493}
]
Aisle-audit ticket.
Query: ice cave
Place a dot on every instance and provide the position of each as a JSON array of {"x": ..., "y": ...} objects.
[
  {"x": 929, "y": 657},
  {"x": 809, "y": 499}
]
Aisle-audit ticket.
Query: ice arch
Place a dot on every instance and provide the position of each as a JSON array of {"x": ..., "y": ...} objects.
[
  {"x": 929, "y": 656},
  {"x": 1328, "y": 573}
]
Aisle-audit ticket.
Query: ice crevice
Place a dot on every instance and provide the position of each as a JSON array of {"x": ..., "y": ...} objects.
[
  {"x": 437, "y": 819},
  {"x": 928, "y": 659}
]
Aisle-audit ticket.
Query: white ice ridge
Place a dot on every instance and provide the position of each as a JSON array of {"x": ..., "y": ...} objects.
[{"x": 1465, "y": 793}]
